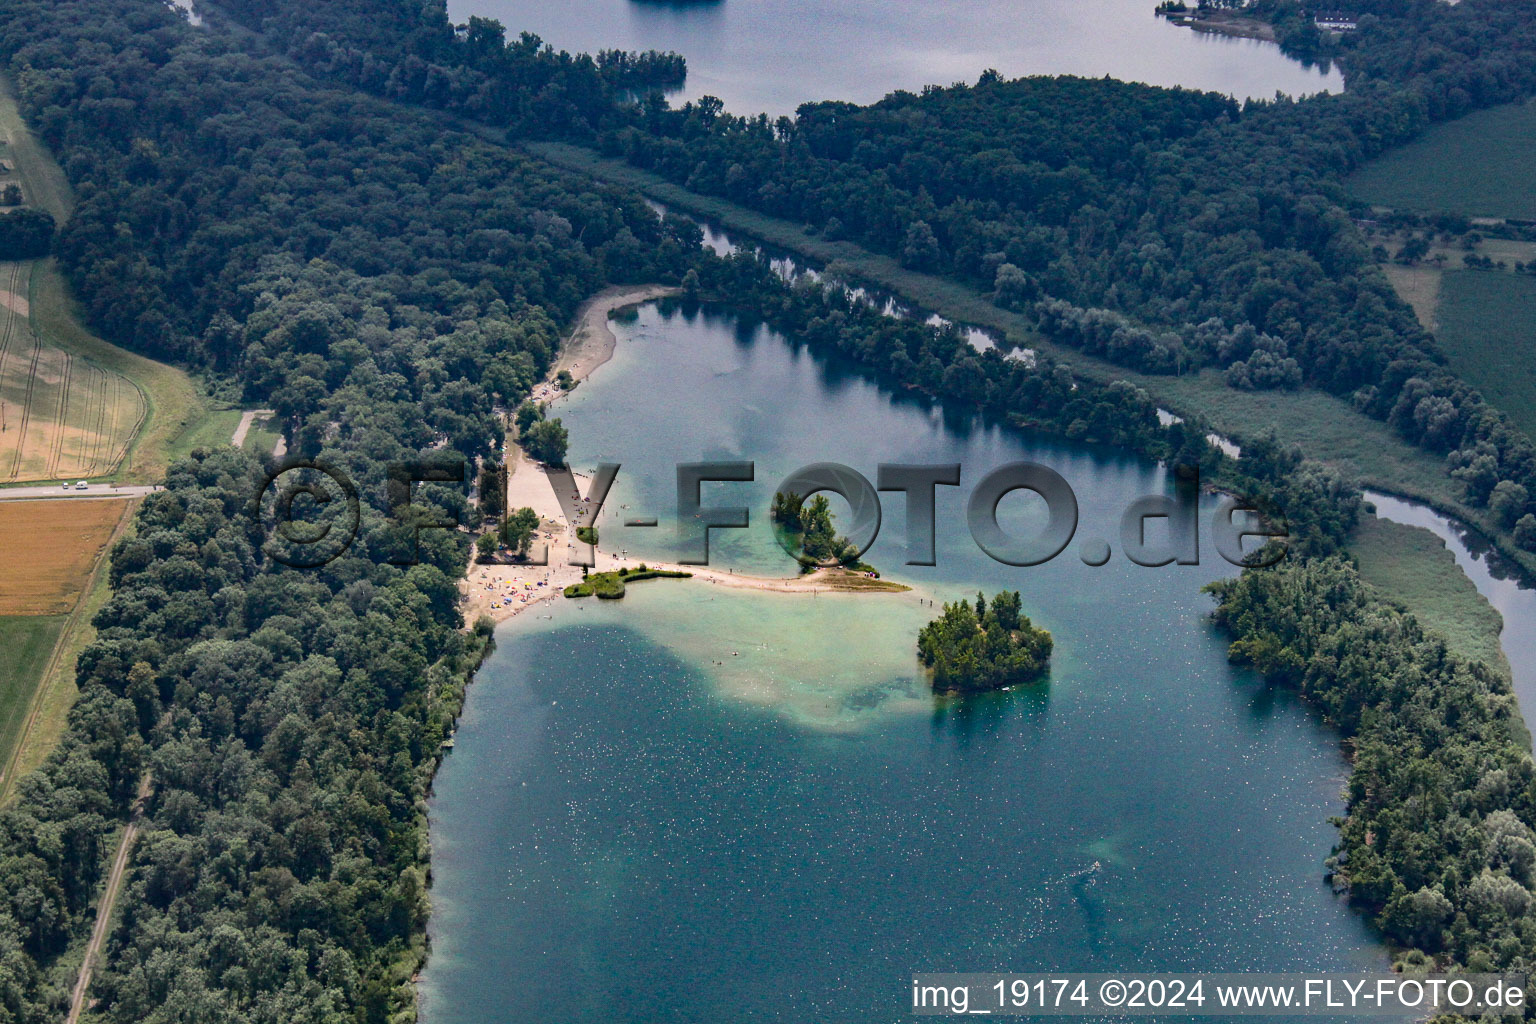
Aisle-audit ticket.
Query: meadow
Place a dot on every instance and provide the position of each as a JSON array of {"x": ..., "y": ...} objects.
[
  {"x": 1488, "y": 331},
  {"x": 28, "y": 641},
  {"x": 1481, "y": 165},
  {"x": 1412, "y": 567}
]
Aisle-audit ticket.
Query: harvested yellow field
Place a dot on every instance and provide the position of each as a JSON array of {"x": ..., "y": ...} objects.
[
  {"x": 47, "y": 550},
  {"x": 61, "y": 417}
]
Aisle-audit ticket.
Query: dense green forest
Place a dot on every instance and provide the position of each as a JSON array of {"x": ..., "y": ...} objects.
[
  {"x": 385, "y": 282},
  {"x": 409, "y": 50},
  {"x": 25, "y": 234},
  {"x": 988, "y": 647},
  {"x": 1437, "y": 838},
  {"x": 1164, "y": 229},
  {"x": 270, "y": 209}
]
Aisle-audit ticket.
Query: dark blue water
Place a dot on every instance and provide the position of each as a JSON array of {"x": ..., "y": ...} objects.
[{"x": 702, "y": 804}]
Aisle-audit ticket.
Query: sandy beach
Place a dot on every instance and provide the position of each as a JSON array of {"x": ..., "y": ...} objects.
[
  {"x": 501, "y": 591},
  {"x": 591, "y": 342}
]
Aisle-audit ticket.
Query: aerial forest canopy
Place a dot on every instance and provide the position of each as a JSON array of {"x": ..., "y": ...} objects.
[
  {"x": 25, "y": 234},
  {"x": 989, "y": 647},
  {"x": 1162, "y": 229},
  {"x": 409, "y": 50},
  {"x": 384, "y": 282},
  {"x": 811, "y": 530},
  {"x": 271, "y": 210}
]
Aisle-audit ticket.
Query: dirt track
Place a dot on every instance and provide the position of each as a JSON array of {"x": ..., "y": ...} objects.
[{"x": 108, "y": 900}]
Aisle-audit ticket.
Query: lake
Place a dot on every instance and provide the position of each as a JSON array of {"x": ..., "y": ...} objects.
[
  {"x": 773, "y": 55},
  {"x": 702, "y": 803}
]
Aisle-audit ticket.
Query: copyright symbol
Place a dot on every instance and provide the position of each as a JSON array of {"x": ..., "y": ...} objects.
[
  {"x": 313, "y": 514},
  {"x": 1112, "y": 992}
]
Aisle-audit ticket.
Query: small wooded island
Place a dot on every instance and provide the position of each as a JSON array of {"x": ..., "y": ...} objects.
[{"x": 989, "y": 647}]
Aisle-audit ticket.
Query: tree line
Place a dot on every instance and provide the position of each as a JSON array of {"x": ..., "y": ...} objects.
[
  {"x": 1164, "y": 229},
  {"x": 388, "y": 284},
  {"x": 409, "y": 50},
  {"x": 1436, "y": 843}
]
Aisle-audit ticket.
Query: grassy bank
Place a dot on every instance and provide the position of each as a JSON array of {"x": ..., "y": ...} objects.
[
  {"x": 1416, "y": 571},
  {"x": 28, "y": 640}
]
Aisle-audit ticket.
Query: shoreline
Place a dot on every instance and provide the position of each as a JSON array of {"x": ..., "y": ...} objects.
[
  {"x": 1221, "y": 24},
  {"x": 592, "y": 342},
  {"x": 503, "y": 590}
]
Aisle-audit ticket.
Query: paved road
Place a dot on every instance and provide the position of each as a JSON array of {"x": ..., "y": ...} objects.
[{"x": 59, "y": 491}]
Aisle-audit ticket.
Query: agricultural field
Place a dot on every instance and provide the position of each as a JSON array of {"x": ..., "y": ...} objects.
[
  {"x": 1418, "y": 283},
  {"x": 1481, "y": 165},
  {"x": 28, "y": 642},
  {"x": 77, "y": 372},
  {"x": 61, "y": 416},
  {"x": 47, "y": 549},
  {"x": 51, "y": 583},
  {"x": 1419, "y": 286},
  {"x": 1487, "y": 328},
  {"x": 72, "y": 406}
]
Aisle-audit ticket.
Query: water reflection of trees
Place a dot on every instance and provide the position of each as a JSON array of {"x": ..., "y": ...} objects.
[{"x": 976, "y": 723}]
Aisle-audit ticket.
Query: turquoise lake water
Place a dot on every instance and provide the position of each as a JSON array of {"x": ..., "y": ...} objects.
[{"x": 709, "y": 804}]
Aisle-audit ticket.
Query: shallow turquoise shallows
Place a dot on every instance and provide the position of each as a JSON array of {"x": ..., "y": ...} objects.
[
  {"x": 773, "y": 55},
  {"x": 707, "y": 804}
]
